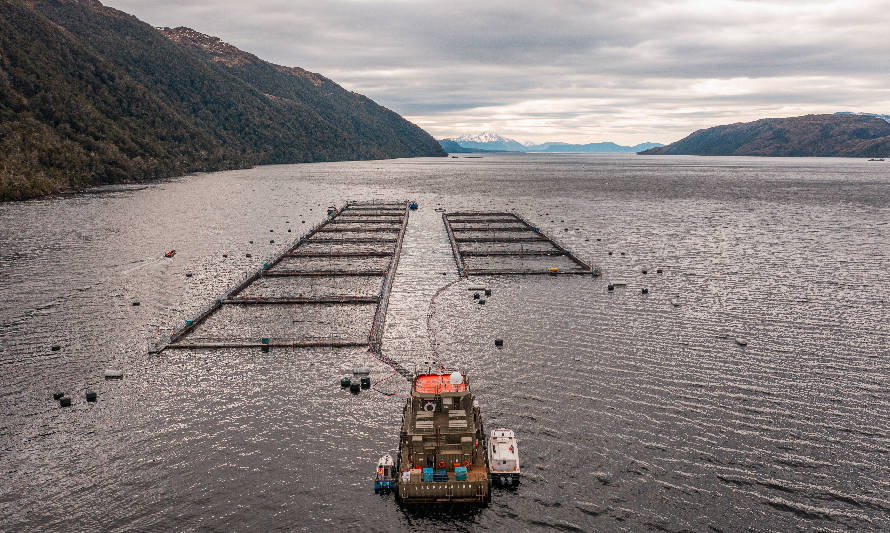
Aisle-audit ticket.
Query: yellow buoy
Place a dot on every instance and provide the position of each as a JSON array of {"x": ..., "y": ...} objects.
[{"x": 554, "y": 269}]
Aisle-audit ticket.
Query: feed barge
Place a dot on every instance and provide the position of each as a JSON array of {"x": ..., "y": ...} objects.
[{"x": 442, "y": 445}]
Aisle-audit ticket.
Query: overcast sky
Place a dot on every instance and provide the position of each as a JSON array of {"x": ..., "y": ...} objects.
[{"x": 576, "y": 71}]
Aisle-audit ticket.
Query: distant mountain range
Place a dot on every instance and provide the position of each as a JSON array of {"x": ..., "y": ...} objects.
[
  {"x": 91, "y": 95},
  {"x": 490, "y": 141},
  {"x": 836, "y": 135}
]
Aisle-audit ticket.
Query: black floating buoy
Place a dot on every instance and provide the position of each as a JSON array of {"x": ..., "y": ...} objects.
[
  {"x": 645, "y": 271},
  {"x": 366, "y": 382},
  {"x": 57, "y": 395},
  {"x": 611, "y": 287},
  {"x": 55, "y": 348},
  {"x": 288, "y": 231},
  {"x": 188, "y": 274},
  {"x": 499, "y": 342},
  {"x": 345, "y": 382},
  {"x": 658, "y": 271},
  {"x": 487, "y": 292},
  {"x": 271, "y": 241},
  {"x": 65, "y": 401},
  {"x": 248, "y": 255},
  {"x": 251, "y": 242},
  {"x": 136, "y": 303},
  {"x": 599, "y": 239},
  {"x": 622, "y": 253},
  {"x": 271, "y": 231},
  {"x": 475, "y": 295},
  {"x": 610, "y": 253},
  {"x": 225, "y": 255},
  {"x": 90, "y": 396},
  {"x": 482, "y": 301},
  {"x": 355, "y": 387},
  {"x": 644, "y": 291}
]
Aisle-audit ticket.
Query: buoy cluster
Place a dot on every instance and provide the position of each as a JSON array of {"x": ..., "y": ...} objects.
[
  {"x": 65, "y": 400},
  {"x": 361, "y": 379},
  {"x": 478, "y": 296}
]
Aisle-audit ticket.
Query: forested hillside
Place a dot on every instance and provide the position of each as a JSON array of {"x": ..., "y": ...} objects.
[
  {"x": 90, "y": 95},
  {"x": 837, "y": 135}
]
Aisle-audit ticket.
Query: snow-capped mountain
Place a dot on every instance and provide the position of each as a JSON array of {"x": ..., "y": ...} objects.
[{"x": 489, "y": 140}]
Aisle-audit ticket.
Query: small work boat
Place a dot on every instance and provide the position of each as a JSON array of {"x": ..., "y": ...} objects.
[
  {"x": 503, "y": 457},
  {"x": 386, "y": 479}
]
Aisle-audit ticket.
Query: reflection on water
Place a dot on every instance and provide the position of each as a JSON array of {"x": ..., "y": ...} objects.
[{"x": 631, "y": 413}]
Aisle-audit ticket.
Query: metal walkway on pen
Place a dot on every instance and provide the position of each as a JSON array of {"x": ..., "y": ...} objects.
[
  {"x": 491, "y": 243},
  {"x": 328, "y": 289}
]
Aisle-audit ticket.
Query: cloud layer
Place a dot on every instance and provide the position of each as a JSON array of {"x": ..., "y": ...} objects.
[{"x": 571, "y": 70}]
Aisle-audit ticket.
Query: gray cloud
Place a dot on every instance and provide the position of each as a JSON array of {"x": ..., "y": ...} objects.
[{"x": 570, "y": 70}]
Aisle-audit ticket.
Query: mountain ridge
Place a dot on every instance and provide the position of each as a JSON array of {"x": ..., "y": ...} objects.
[
  {"x": 829, "y": 135},
  {"x": 492, "y": 142}
]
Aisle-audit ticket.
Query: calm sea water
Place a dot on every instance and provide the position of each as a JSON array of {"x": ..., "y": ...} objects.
[{"x": 632, "y": 414}]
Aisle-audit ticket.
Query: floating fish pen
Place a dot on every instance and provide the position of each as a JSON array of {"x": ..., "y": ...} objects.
[
  {"x": 338, "y": 276},
  {"x": 489, "y": 243}
]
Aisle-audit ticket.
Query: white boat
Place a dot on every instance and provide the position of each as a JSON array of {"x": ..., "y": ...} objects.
[
  {"x": 386, "y": 475},
  {"x": 503, "y": 457}
]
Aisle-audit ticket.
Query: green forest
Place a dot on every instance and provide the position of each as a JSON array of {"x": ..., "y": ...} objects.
[{"x": 90, "y": 96}]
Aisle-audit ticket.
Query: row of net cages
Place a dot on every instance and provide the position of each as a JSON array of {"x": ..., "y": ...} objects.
[
  {"x": 487, "y": 243},
  {"x": 329, "y": 288}
]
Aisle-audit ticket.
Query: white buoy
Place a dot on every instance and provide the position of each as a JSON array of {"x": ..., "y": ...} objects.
[
  {"x": 619, "y": 283},
  {"x": 114, "y": 374},
  {"x": 675, "y": 302},
  {"x": 740, "y": 341}
]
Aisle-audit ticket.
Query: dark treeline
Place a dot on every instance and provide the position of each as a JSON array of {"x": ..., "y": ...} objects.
[
  {"x": 837, "y": 135},
  {"x": 90, "y": 95}
]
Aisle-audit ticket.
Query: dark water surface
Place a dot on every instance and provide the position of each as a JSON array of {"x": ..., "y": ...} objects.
[{"x": 632, "y": 414}]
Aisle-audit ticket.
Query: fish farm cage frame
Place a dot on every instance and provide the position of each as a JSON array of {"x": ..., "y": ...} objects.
[
  {"x": 460, "y": 225},
  {"x": 395, "y": 217}
]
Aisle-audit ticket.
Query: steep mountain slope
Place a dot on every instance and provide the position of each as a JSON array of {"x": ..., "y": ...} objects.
[
  {"x": 837, "y": 135},
  {"x": 91, "y": 95},
  {"x": 377, "y": 131}
]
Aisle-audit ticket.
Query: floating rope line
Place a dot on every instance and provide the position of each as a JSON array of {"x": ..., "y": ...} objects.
[
  {"x": 431, "y": 331},
  {"x": 395, "y": 370},
  {"x": 434, "y": 343}
]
